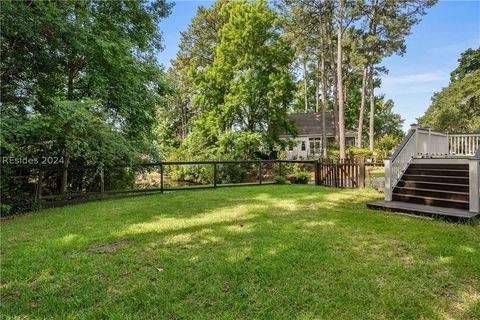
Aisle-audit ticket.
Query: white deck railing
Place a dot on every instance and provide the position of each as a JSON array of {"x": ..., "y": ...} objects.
[{"x": 463, "y": 144}]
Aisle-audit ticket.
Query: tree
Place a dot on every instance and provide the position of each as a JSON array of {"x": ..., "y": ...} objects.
[
  {"x": 66, "y": 53},
  {"x": 469, "y": 62},
  {"x": 197, "y": 51},
  {"x": 248, "y": 87},
  {"x": 341, "y": 120},
  {"x": 456, "y": 108},
  {"x": 386, "y": 24}
]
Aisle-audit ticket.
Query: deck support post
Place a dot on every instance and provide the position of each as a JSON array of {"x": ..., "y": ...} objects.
[
  {"x": 388, "y": 179},
  {"x": 474, "y": 175}
]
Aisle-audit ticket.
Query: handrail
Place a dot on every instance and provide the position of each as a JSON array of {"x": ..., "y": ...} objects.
[{"x": 403, "y": 144}]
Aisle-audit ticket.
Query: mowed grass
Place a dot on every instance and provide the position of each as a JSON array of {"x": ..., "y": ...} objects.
[{"x": 269, "y": 252}]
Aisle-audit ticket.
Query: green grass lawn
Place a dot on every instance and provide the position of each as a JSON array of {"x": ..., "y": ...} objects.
[{"x": 269, "y": 252}]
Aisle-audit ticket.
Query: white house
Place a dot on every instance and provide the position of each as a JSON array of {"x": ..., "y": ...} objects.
[{"x": 308, "y": 142}]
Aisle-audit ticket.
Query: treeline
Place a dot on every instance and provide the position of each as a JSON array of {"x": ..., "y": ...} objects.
[
  {"x": 80, "y": 80},
  {"x": 243, "y": 65},
  {"x": 80, "y": 84}
]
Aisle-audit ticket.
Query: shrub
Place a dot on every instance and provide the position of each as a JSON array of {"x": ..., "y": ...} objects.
[
  {"x": 386, "y": 145},
  {"x": 280, "y": 180},
  {"x": 5, "y": 210},
  {"x": 302, "y": 177},
  {"x": 356, "y": 153}
]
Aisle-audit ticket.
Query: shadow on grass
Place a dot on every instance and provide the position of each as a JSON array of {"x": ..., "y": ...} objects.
[{"x": 263, "y": 252}]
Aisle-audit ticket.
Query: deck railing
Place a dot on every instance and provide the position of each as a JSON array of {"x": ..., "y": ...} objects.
[
  {"x": 396, "y": 165},
  {"x": 463, "y": 144}
]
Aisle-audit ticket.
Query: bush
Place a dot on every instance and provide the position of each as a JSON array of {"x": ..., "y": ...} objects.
[
  {"x": 357, "y": 153},
  {"x": 387, "y": 145},
  {"x": 302, "y": 177},
  {"x": 280, "y": 180},
  {"x": 5, "y": 210}
]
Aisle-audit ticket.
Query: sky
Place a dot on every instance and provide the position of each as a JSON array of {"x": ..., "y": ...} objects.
[{"x": 433, "y": 49}]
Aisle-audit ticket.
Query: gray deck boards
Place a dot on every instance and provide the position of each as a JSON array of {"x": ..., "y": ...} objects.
[{"x": 422, "y": 209}]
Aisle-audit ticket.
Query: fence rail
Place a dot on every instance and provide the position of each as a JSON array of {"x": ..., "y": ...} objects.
[{"x": 98, "y": 182}]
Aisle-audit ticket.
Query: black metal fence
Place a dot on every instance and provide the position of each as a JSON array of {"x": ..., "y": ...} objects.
[{"x": 86, "y": 183}]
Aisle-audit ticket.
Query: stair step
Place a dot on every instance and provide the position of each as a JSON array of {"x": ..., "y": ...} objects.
[
  {"x": 438, "y": 172},
  {"x": 444, "y": 166},
  {"x": 434, "y": 186},
  {"x": 431, "y": 201},
  {"x": 431, "y": 178},
  {"x": 440, "y": 194}
]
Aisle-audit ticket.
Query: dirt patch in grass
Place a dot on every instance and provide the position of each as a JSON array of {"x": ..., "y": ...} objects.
[{"x": 111, "y": 247}]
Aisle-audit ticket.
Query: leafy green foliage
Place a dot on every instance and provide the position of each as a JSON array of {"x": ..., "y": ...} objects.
[
  {"x": 248, "y": 86},
  {"x": 457, "y": 107},
  {"x": 354, "y": 152},
  {"x": 469, "y": 62},
  {"x": 280, "y": 180},
  {"x": 386, "y": 145},
  {"x": 81, "y": 80},
  {"x": 302, "y": 177}
]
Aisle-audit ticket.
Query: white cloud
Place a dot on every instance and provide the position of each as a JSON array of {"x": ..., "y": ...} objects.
[{"x": 412, "y": 79}]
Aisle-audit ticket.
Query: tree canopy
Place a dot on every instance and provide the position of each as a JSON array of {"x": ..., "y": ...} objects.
[
  {"x": 90, "y": 59},
  {"x": 456, "y": 108}
]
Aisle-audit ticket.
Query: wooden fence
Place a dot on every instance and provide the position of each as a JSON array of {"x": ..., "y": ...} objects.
[{"x": 340, "y": 174}]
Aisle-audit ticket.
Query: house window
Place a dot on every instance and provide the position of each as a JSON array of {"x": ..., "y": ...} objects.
[
  {"x": 315, "y": 145},
  {"x": 303, "y": 146}
]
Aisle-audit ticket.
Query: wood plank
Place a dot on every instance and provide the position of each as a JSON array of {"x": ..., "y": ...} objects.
[{"x": 436, "y": 212}]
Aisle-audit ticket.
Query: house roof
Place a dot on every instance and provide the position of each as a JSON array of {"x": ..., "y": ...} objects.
[{"x": 310, "y": 123}]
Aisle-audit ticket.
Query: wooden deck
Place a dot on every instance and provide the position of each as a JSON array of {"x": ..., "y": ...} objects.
[{"x": 424, "y": 210}]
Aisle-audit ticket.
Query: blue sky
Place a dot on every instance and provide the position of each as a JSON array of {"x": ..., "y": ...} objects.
[{"x": 433, "y": 49}]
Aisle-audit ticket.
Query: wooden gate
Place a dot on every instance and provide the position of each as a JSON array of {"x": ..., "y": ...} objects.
[{"x": 341, "y": 174}]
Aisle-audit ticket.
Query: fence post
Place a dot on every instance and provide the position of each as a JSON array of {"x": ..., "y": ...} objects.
[
  {"x": 281, "y": 168},
  {"x": 474, "y": 173},
  {"x": 39, "y": 189},
  {"x": 317, "y": 182},
  {"x": 388, "y": 179},
  {"x": 161, "y": 177},
  {"x": 361, "y": 173},
  {"x": 215, "y": 174},
  {"x": 260, "y": 172}
]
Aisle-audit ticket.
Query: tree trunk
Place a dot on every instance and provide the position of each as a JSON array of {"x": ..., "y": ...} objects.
[
  {"x": 317, "y": 89},
  {"x": 373, "y": 32},
  {"x": 341, "y": 115},
  {"x": 324, "y": 92},
  {"x": 64, "y": 180},
  {"x": 305, "y": 85},
  {"x": 372, "y": 111},
  {"x": 335, "y": 86},
  {"x": 362, "y": 107}
]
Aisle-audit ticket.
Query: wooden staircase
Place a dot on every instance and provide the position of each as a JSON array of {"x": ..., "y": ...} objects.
[
  {"x": 436, "y": 188},
  {"x": 434, "y": 173},
  {"x": 439, "y": 185}
]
